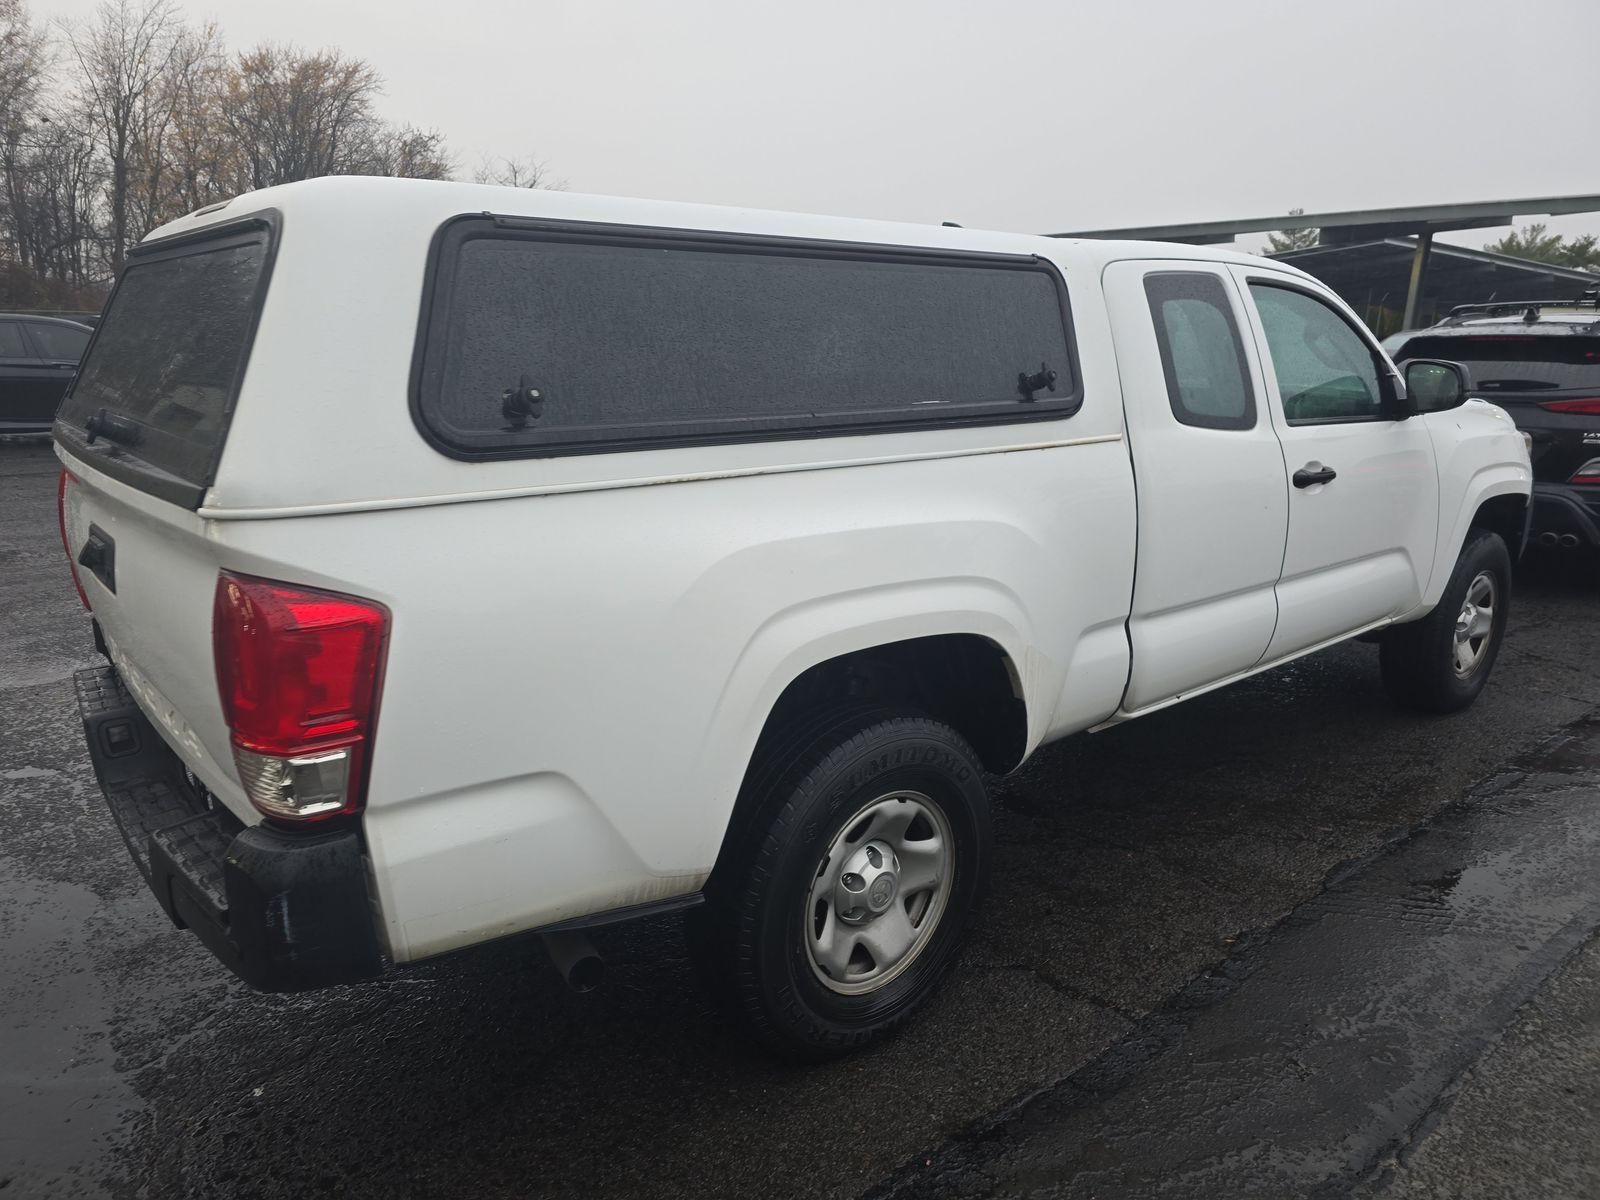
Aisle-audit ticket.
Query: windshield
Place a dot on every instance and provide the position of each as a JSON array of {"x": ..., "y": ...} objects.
[
  {"x": 159, "y": 381},
  {"x": 1517, "y": 363}
]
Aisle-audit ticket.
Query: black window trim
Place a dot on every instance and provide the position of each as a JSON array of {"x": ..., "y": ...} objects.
[
  {"x": 617, "y": 439},
  {"x": 1387, "y": 396},
  {"x": 1184, "y": 415},
  {"x": 113, "y": 459}
]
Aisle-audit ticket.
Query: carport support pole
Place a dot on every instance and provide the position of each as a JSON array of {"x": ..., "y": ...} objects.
[{"x": 1419, "y": 271}]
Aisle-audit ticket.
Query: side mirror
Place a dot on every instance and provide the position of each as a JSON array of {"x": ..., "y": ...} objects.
[{"x": 1434, "y": 385}]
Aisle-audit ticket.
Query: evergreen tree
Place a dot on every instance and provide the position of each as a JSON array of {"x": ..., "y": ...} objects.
[
  {"x": 1535, "y": 243},
  {"x": 1293, "y": 239}
]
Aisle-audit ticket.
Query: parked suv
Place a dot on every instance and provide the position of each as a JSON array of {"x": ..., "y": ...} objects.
[
  {"x": 472, "y": 561},
  {"x": 1540, "y": 361},
  {"x": 37, "y": 358}
]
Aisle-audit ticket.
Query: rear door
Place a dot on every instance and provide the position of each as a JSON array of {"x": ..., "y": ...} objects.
[
  {"x": 29, "y": 388},
  {"x": 140, "y": 432},
  {"x": 1364, "y": 494},
  {"x": 1213, "y": 508},
  {"x": 60, "y": 347}
]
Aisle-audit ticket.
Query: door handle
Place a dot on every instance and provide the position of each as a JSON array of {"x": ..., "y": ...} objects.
[{"x": 1314, "y": 472}]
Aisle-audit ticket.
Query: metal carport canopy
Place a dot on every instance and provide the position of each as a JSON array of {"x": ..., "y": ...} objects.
[
  {"x": 1456, "y": 275},
  {"x": 1357, "y": 225},
  {"x": 1364, "y": 225}
]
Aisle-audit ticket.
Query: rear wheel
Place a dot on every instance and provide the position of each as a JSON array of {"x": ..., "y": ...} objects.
[
  {"x": 839, "y": 910},
  {"x": 1440, "y": 663}
]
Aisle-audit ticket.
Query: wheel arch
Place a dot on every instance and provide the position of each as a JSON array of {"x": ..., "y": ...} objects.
[
  {"x": 1497, "y": 498},
  {"x": 966, "y": 680},
  {"x": 1508, "y": 514}
]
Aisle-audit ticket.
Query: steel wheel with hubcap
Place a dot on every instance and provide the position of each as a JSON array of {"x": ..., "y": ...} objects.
[
  {"x": 834, "y": 916},
  {"x": 878, "y": 893}
]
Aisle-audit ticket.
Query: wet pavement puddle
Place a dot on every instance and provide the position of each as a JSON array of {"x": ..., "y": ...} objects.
[{"x": 1325, "y": 1044}]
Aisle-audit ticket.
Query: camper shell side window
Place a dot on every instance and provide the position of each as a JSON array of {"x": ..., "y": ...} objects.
[{"x": 544, "y": 338}]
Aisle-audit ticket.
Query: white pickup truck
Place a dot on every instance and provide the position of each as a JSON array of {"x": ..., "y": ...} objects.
[{"x": 473, "y": 561}]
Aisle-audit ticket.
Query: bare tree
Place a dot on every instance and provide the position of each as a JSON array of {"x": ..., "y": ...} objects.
[
  {"x": 183, "y": 153},
  {"x": 23, "y": 60},
  {"x": 144, "y": 118},
  {"x": 409, "y": 153},
  {"x": 123, "y": 59},
  {"x": 296, "y": 116},
  {"x": 518, "y": 172},
  {"x": 55, "y": 195},
  {"x": 22, "y": 68},
  {"x": 48, "y": 179},
  {"x": 293, "y": 115}
]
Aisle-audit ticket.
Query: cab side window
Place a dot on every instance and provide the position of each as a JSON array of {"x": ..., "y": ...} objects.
[
  {"x": 1325, "y": 371},
  {"x": 11, "y": 343},
  {"x": 61, "y": 343},
  {"x": 1202, "y": 354}
]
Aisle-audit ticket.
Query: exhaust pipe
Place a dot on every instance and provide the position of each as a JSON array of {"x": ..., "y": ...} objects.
[
  {"x": 1569, "y": 540},
  {"x": 576, "y": 958},
  {"x": 1549, "y": 539}
]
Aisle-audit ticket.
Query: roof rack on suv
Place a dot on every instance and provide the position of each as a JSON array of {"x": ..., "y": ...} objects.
[{"x": 1529, "y": 309}]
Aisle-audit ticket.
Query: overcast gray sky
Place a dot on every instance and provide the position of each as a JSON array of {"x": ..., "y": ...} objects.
[{"x": 1009, "y": 114}]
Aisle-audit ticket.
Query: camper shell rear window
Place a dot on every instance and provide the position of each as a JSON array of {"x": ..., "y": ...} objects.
[
  {"x": 546, "y": 338},
  {"x": 151, "y": 403}
]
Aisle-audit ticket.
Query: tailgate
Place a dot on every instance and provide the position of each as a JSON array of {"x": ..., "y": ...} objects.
[
  {"x": 150, "y": 576},
  {"x": 1563, "y": 428}
]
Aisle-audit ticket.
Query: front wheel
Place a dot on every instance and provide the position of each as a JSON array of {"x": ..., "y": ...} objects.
[
  {"x": 1440, "y": 663},
  {"x": 840, "y": 910}
]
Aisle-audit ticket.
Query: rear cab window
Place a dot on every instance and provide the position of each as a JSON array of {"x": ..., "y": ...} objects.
[
  {"x": 151, "y": 402},
  {"x": 1202, "y": 354},
  {"x": 542, "y": 338}
]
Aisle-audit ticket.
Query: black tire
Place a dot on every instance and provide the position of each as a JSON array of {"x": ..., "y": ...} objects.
[
  {"x": 1418, "y": 659},
  {"x": 750, "y": 938}
]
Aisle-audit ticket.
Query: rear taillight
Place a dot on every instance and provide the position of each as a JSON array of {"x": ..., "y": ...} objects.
[
  {"x": 66, "y": 542},
  {"x": 1589, "y": 473},
  {"x": 1589, "y": 406},
  {"x": 298, "y": 671}
]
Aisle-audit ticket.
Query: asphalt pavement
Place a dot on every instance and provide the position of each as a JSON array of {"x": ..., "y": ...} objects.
[
  {"x": 1317, "y": 1060},
  {"x": 1131, "y": 866},
  {"x": 1525, "y": 1119}
]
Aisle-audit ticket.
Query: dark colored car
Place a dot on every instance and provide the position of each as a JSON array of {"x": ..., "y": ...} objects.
[
  {"x": 38, "y": 356},
  {"x": 1540, "y": 361}
]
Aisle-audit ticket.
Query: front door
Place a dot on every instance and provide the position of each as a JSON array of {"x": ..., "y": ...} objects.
[{"x": 1364, "y": 499}]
